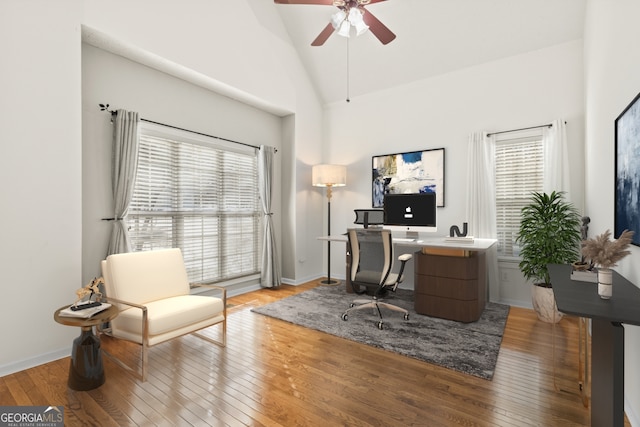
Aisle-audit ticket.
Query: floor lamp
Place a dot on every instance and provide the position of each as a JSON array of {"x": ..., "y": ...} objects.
[{"x": 329, "y": 176}]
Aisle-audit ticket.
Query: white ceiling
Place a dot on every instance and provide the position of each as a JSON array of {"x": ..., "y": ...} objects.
[{"x": 433, "y": 37}]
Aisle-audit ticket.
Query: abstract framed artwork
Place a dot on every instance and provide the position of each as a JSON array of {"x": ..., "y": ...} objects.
[
  {"x": 627, "y": 167},
  {"x": 410, "y": 172}
]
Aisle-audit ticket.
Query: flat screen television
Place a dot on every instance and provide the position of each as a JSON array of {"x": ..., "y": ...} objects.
[{"x": 411, "y": 213}]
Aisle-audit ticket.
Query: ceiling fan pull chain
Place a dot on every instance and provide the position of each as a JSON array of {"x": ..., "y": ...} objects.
[{"x": 348, "y": 100}]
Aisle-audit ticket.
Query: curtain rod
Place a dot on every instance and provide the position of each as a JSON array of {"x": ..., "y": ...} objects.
[
  {"x": 516, "y": 130},
  {"x": 105, "y": 107}
]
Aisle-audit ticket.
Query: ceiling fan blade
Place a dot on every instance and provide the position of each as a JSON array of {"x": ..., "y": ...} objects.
[
  {"x": 378, "y": 28},
  {"x": 323, "y": 36},
  {"x": 323, "y": 2},
  {"x": 374, "y": 1}
]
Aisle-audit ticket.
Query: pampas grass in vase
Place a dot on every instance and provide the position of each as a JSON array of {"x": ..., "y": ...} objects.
[{"x": 604, "y": 254}]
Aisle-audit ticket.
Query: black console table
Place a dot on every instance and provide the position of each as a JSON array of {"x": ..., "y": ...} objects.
[{"x": 607, "y": 348}]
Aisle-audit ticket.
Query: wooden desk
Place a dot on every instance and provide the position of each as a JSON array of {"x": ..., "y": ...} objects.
[
  {"x": 439, "y": 291},
  {"x": 86, "y": 371},
  {"x": 607, "y": 345},
  {"x": 480, "y": 245}
]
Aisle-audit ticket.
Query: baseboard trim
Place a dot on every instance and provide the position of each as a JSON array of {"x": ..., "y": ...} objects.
[
  {"x": 41, "y": 359},
  {"x": 513, "y": 303}
]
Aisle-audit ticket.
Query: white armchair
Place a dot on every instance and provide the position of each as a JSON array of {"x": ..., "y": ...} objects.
[{"x": 154, "y": 296}]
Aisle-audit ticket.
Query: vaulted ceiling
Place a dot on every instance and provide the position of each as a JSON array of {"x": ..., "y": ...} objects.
[{"x": 433, "y": 37}]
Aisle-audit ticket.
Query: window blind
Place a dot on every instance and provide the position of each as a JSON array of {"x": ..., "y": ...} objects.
[
  {"x": 200, "y": 197},
  {"x": 519, "y": 172}
]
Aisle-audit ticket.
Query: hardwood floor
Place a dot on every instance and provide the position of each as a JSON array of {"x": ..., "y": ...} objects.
[{"x": 273, "y": 373}]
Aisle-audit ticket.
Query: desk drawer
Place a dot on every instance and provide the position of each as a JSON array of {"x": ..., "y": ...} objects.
[
  {"x": 458, "y": 289},
  {"x": 464, "y": 268},
  {"x": 446, "y": 308}
]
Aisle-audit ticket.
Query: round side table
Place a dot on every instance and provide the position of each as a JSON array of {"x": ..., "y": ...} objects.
[{"x": 86, "y": 371}]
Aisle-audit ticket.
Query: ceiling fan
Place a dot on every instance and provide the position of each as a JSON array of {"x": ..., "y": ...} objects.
[{"x": 351, "y": 13}]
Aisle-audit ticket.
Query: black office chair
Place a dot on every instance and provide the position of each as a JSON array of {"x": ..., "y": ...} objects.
[{"x": 371, "y": 265}]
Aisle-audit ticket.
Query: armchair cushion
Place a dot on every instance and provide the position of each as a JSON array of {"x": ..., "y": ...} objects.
[
  {"x": 169, "y": 318},
  {"x": 142, "y": 277}
]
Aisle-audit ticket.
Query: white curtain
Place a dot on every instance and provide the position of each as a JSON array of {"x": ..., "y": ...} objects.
[
  {"x": 556, "y": 159},
  {"x": 270, "y": 275},
  {"x": 481, "y": 200},
  {"x": 124, "y": 163}
]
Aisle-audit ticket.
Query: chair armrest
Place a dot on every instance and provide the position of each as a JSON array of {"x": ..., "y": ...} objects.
[
  {"x": 219, "y": 288},
  {"x": 145, "y": 323},
  {"x": 119, "y": 301},
  {"x": 405, "y": 257}
]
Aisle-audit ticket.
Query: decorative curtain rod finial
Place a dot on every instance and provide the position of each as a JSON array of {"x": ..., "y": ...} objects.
[{"x": 105, "y": 107}]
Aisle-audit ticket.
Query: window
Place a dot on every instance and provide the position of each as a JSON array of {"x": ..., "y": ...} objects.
[
  {"x": 519, "y": 172},
  {"x": 198, "y": 194}
]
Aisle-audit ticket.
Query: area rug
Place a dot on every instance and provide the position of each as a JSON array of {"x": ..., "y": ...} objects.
[{"x": 471, "y": 348}]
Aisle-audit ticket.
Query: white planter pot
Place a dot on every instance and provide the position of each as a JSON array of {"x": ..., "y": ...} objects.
[
  {"x": 605, "y": 283},
  {"x": 544, "y": 303}
]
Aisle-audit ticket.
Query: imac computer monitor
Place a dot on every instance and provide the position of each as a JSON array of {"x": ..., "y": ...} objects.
[{"x": 412, "y": 213}]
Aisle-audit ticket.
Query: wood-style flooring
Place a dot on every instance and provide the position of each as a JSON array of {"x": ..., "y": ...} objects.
[{"x": 273, "y": 373}]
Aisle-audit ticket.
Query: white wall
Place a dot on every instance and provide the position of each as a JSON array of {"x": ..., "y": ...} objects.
[
  {"x": 42, "y": 135},
  {"x": 40, "y": 171},
  {"x": 112, "y": 79},
  {"x": 520, "y": 91},
  {"x": 221, "y": 40},
  {"x": 612, "y": 80},
  {"x": 254, "y": 56}
]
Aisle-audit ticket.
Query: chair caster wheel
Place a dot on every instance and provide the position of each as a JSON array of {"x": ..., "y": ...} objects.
[
  {"x": 406, "y": 316},
  {"x": 380, "y": 325},
  {"x": 344, "y": 316},
  {"x": 352, "y": 305}
]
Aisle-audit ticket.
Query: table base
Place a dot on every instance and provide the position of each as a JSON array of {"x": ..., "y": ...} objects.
[{"x": 86, "y": 370}]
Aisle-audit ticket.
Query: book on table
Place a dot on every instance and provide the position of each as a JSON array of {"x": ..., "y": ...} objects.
[
  {"x": 584, "y": 276},
  {"x": 84, "y": 313}
]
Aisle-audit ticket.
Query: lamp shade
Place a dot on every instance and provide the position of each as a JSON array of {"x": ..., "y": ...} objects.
[{"x": 329, "y": 175}]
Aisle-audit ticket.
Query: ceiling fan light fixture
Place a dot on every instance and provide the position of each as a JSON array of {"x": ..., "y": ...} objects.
[
  {"x": 338, "y": 18},
  {"x": 343, "y": 20},
  {"x": 355, "y": 15},
  {"x": 357, "y": 20},
  {"x": 344, "y": 29},
  {"x": 361, "y": 28},
  {"x": 350, "y": 14}
]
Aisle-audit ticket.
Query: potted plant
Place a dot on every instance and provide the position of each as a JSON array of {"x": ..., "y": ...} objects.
[
  {"x": 549, "y": 234},
  {"x": 605, "y": 254}
]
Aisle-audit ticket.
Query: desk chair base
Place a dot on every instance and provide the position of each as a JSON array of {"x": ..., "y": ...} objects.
[{"x": 360, "y": 304}]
